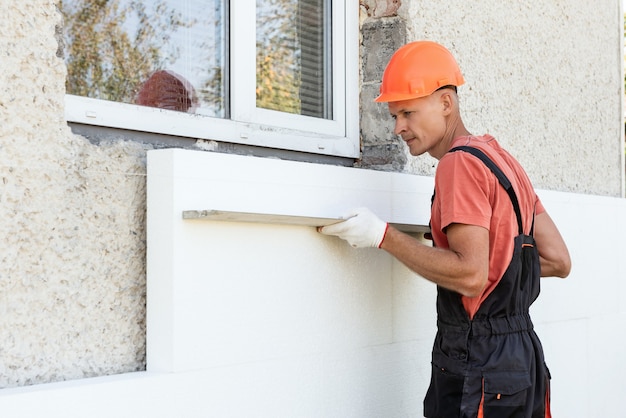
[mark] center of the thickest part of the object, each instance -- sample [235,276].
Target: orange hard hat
[417,69]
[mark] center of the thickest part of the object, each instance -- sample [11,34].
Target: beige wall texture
[72,270]
[543,78]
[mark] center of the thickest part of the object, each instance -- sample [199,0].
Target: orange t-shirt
[467,192]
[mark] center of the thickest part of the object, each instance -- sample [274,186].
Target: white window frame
[248,124]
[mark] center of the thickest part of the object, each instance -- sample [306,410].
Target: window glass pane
[163,53]
[292,57]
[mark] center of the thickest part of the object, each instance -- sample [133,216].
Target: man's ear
[447,101]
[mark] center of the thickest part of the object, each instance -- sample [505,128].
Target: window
[271,73]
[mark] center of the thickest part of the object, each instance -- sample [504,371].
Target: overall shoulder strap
[504,181]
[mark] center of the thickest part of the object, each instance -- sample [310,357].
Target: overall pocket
[505,394]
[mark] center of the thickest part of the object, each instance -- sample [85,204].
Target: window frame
[249,125]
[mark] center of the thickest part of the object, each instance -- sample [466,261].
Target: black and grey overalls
[491,366]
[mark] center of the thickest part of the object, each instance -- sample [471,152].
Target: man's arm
[553,254]
[463,267]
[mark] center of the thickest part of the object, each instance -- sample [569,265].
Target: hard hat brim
[397,97]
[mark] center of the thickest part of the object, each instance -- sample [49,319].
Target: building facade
[545,79]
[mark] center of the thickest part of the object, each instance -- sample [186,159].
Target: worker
[492,241]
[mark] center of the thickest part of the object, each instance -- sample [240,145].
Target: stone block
[380,39]
[385,157]
[375,122]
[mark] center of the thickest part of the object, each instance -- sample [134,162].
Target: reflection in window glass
[293,64]
[162,53]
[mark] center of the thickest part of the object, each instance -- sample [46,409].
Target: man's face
[420,122]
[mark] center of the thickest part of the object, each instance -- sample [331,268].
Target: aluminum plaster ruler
[273,218]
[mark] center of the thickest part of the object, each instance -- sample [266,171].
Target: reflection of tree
[104,60]
[277,77]
[214,90]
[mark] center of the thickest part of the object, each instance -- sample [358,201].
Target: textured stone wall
[72,270]
[382,32]
[382,150]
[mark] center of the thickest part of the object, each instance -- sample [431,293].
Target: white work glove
[361,229]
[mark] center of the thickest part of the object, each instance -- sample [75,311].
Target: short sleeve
[464,187]
[539,208]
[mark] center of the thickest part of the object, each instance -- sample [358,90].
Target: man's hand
[361,229]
